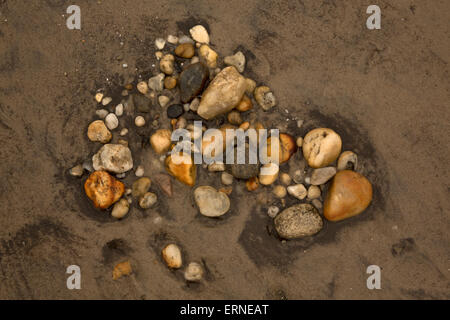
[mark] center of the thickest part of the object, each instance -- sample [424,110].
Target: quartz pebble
[160,43]
[123,132]
[298,191]
[199,34]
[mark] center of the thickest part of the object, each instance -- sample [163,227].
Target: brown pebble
[185,50]
[245,104]
[170,82]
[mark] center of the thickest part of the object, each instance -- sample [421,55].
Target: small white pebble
[124,132]
[160,43]
[106,100]
[139,171]
[139,121]
[172,39]
[119,110]
[125,65]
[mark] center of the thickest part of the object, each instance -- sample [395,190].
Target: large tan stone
[223,93]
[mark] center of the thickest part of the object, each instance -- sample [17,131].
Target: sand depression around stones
[195,85]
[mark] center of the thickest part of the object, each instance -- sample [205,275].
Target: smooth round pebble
[139,121]
[111,121]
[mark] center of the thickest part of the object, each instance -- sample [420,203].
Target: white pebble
[142,87]
[139,121]
[139,171]
[172,39]
[160,43]
[163,101]
[124,132]
[119,110]
[199,34]
[111,121]
[106,100]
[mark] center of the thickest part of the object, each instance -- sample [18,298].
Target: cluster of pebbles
[326,184]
